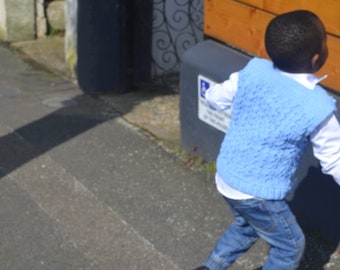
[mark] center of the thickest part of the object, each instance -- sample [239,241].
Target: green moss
[197,162]
[71,61]
[55,32]
[209,167]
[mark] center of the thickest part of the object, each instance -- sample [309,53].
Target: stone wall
[50,17]
[55,14]
[2,19]
[22,20]
[17,20]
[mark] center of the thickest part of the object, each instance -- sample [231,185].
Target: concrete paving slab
[90,225]
[30,239]
[45,50]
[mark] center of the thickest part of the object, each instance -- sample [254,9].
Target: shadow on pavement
[77,115]
[28,142]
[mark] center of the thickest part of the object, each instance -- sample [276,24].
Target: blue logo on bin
[204,86]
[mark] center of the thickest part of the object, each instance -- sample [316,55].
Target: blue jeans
[254,218]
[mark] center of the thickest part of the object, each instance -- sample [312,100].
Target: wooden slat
[332,66]
[237,24]
[327,10]
[243,27]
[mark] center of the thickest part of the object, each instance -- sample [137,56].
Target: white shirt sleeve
[326,146]
[220,96]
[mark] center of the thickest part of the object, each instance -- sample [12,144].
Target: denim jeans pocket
[256,212]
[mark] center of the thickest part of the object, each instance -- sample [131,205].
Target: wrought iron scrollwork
[177,26]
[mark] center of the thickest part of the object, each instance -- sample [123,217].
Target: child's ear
[315,62]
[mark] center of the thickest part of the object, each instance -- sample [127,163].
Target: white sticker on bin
[218,119]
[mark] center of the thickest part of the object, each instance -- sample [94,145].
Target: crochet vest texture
[272,118]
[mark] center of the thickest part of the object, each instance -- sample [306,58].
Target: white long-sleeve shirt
[325,139]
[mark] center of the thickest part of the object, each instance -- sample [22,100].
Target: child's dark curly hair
[293,38]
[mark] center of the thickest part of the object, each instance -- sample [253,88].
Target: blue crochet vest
[271,121]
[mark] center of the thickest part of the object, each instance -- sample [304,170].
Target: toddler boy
[277,109]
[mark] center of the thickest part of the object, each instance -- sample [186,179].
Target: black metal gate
[177,26]
[164,30]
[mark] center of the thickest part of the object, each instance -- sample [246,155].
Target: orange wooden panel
[236,24]
[332,66]
[243,27]
[327,10]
